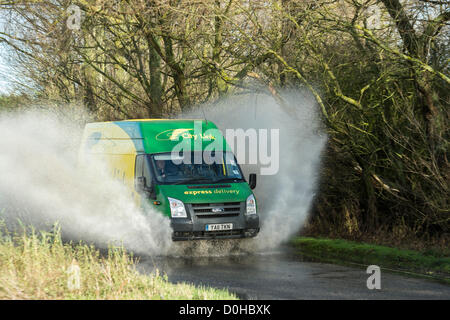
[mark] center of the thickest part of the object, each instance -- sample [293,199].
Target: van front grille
[215,210]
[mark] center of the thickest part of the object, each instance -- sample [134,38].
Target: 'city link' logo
[176,134]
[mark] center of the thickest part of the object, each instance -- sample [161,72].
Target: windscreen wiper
[228,180]
[194,180]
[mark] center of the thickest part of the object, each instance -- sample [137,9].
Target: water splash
[41,184]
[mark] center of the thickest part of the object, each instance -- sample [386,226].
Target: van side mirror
[140,184]
[141,187]
[252,180]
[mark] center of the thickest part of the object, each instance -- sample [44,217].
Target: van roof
[159,135]
[151,120]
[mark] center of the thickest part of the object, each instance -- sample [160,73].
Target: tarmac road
[283,275]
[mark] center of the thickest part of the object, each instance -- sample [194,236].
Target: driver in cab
[165,168]
[161,168]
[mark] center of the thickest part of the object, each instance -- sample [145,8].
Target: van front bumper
[194,226]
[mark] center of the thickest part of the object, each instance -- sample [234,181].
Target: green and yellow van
[183,168]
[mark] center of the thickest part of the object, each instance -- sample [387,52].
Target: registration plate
[219,227]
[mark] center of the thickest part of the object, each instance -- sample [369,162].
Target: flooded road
[281,274]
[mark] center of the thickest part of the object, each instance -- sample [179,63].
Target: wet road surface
[281,274]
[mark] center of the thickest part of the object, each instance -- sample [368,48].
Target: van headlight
[177,209]
[251,205]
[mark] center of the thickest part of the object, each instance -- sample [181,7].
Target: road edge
[345,252]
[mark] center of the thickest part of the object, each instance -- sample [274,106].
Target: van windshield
[195,167]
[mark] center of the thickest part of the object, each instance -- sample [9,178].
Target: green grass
[431,263]
[37,266]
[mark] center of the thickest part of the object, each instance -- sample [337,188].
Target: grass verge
[424,264]
[40,266]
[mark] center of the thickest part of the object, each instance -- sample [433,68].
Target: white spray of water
[41,184]
[284,199]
